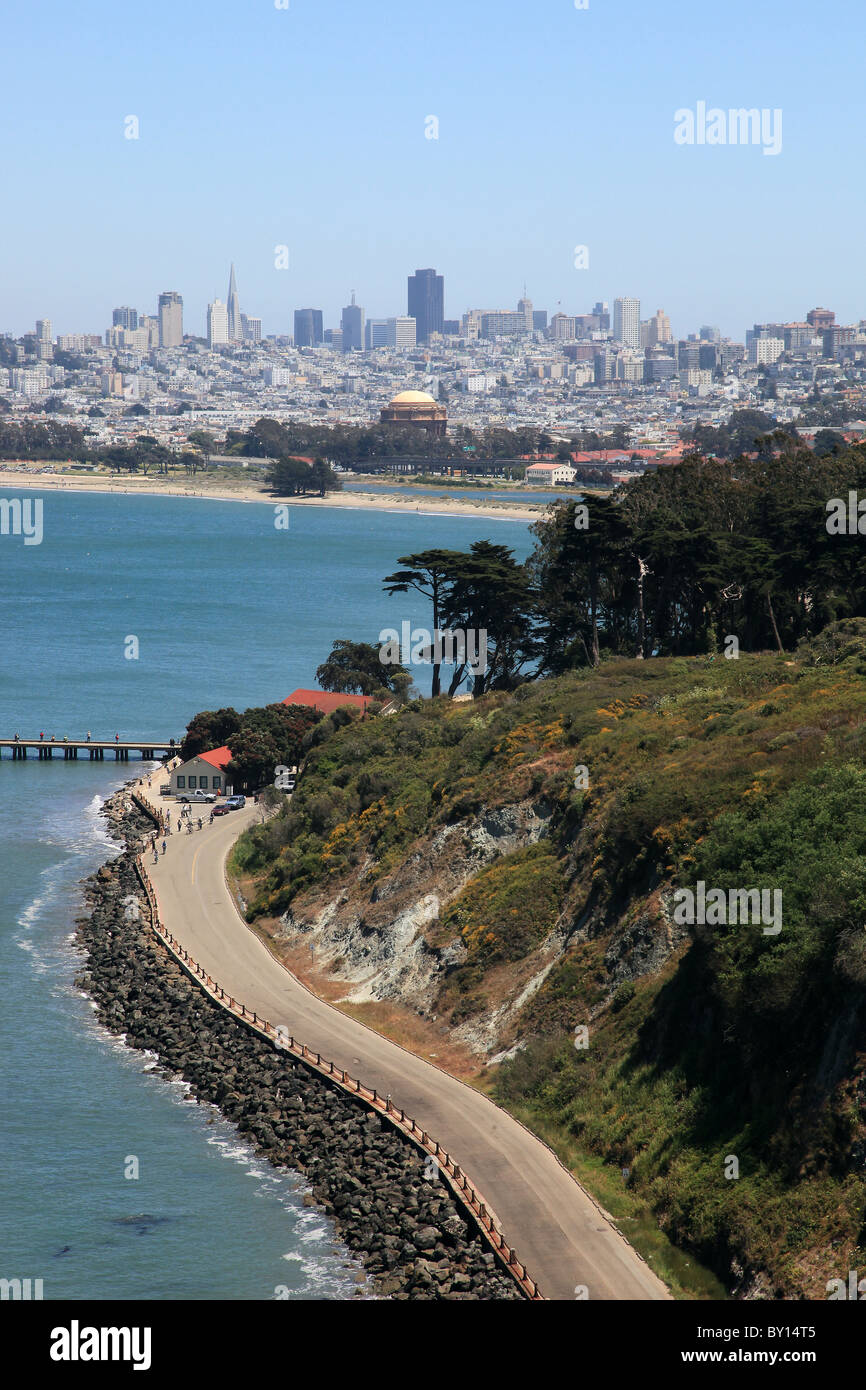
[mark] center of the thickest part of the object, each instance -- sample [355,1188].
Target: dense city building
[308,328]
[352,326]
[426,303]
[170,319]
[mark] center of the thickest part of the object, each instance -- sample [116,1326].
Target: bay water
[224,609]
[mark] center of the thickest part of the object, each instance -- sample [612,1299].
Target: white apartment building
[29,381]
[626,321]
[401,332]
[763,351]
[277,376]
[478,381]
[217,323]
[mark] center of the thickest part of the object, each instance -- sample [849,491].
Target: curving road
[556,1229]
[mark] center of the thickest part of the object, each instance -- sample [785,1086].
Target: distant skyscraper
[601,311]
[401,333]
[308,328]
[232,305]
[375,334]
[524,307]
[252,329]
[233,308]
[217,323]
[539,319]
[659,328]
[626,321]
[43,330]
[427,303]
[352,324]
[124,317]
[710,334]
[170,319]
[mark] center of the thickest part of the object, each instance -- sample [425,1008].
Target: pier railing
[462,1187]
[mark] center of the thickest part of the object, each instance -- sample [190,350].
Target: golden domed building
[415,408]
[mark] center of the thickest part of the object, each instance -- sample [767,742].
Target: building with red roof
[205,772]
[217,757]
[326,701]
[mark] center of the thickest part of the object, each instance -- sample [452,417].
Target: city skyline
[493,181]
[625,322]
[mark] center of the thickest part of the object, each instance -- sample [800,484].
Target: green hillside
[705,1043]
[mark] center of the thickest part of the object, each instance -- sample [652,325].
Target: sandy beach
[209,485]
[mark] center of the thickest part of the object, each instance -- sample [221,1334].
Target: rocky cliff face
[376,940]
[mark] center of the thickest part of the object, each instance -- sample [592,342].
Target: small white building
[205,773]
[550,474]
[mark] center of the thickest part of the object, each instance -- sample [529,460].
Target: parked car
[223,809]
[236,802]
[197,796]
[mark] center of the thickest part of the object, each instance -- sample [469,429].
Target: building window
[217,783]
[181,784]
[192,783]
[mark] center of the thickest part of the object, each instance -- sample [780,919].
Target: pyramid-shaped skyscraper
[233,305]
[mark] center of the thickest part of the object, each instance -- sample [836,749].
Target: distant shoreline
[358,501]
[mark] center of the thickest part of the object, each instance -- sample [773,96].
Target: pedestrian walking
[211,818]
[88,735]
[163,846]
[199,822]
[116,737]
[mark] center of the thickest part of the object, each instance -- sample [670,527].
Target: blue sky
[305,127]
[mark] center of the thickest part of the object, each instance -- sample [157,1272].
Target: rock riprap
[407,1228]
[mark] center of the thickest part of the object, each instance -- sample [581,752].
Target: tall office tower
[524,307]
[539,319]
[601,311]
[352,325]
[626,321]
[426,303]
[217,323]
[233,308]
[43,330]
[170,319]
[252,329]
[124,317]
[375,334]
[401,332]
[659,328]
[308,328]
[710,334]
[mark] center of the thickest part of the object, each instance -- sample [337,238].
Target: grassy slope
[726,1044]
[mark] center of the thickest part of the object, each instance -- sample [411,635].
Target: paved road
[544,1214]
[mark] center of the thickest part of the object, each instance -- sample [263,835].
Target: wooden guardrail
[462,1187]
